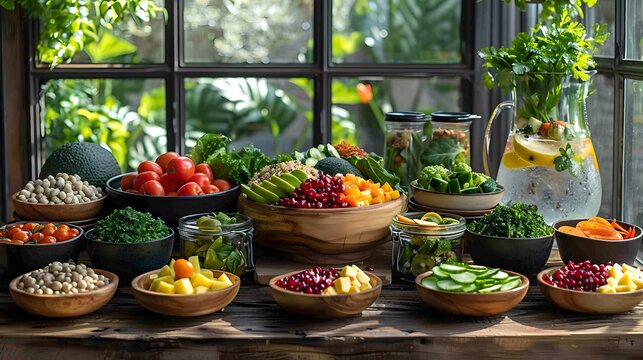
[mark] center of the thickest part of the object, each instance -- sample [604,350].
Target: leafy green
[129,226]
[209,145]
[223,256]
[238,166]
[371,167]
[443,151]
[516,221]
[567,161]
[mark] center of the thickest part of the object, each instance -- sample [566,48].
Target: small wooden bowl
[325,306]
[58,212]
[456,202]
[322,236]
[62,306]
[588,302]
[472,304]
[184,305]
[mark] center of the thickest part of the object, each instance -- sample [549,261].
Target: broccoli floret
[431,172]
[461,167]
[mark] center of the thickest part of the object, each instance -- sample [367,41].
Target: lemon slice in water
[541,152]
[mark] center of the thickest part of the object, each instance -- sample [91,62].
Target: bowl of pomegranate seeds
[592,288]
[326,292]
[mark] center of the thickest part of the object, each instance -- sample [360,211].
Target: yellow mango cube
[353,289]
[183,286]
[329,291]
[625,279]
[615,271]
[356,283]
[363,278]
[365,286]
[225,279]
[613,282]
[626,268]
[342,284]
[155,283]
[165,288]
[207,273]
[201,290]
[624,288]
[200,280]
[638,282]
[395,194]
[218,285]
[348,271]
[606,289]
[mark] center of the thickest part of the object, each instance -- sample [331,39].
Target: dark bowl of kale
[129,243]
[512,237]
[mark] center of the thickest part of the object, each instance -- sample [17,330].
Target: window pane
[600,109]
[274,115]
[603,12]
[633,182]
[634,30]
[358,113]
[248,31]
[126,115]
[400,31]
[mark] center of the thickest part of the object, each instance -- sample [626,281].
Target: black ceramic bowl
[19,259]
[128,260]
[524,256]
[576,248]
[172,208]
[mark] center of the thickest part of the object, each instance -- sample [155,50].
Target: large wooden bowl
[588,302]
[472,304]
[58,212]
[325,306]
[184,305]
[322,236]
[62,306]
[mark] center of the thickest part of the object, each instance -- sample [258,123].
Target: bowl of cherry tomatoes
[28,245]
[171,187]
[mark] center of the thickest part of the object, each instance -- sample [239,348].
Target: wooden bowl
[588,302]
[58,212]
[472,304]
[62,306]
[184,305]
[456,202]
[325,306]
[322,236]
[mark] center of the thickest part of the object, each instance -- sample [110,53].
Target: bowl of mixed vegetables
[459,188]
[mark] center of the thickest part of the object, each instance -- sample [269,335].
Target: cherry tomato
[189,189]
[63,226]
[74,232]
[35,237]
[201,179]
[144,177]
[210,189]
[149,166]
[169,185]
[62,234]
[48,240]
[12,231]
[21,236]
[164,159]
[183,268]
[222,184]
[48,230]
[180,169]
[28,226]
[153,188]
[204,168]
[127,181]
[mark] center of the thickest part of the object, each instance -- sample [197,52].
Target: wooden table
[397,326]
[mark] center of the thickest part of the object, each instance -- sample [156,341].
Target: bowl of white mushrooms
[63,197]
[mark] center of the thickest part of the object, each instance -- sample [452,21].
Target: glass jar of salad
[222,241]
[418,247]
[454,127]
[403,144]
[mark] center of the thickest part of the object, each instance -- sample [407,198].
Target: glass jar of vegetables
[424,240]
[222,241]
[453,127]
[403,144]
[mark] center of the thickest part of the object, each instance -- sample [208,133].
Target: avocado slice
[283,184]
[267,194]
[253,195]
[267,184]
[291,179]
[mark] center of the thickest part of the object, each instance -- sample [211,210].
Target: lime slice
[541,152]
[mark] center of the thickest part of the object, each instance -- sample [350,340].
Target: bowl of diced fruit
[182,288]
[592,288]
[326,293]
[471,290]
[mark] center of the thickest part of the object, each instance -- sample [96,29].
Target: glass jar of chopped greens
[452,130]
[424,240]
[222,241]
[403,144]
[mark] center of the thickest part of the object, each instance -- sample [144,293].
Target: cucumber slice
[454,186]
[512,278]
[477,269]
[449,285]
[511,285]
[490,273]
[315,154]
[469,288]
[490,289]
[464,277]
[439,184]
[430,282]
[331,151]
[311,161]
[500,275]
[439,273]
[452,268]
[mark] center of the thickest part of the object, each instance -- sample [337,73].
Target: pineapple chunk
[606,289]
[353,289]
[625,288]
[356,283]
[225,279]
[625,279]
[613,282]
[167,270]
[348,271]
[194,260]
[165,288]
[201,290]
[342,285]
[200,280]
[366,286]
[626,268]
[638,282]
[615,271]
[183,286]
[363,278]
[329,291]
[158,280]
[207,273]
[218,285]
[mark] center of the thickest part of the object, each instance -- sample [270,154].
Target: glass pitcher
[549,159]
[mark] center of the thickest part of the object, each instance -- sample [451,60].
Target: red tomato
[62,234]
[150,166]
[63,226]
[144,177]
[28,226]
[201,179]
[35,237]
[204,168]
[169,185]
[222,184]
[164,159]
[48,230]
[153,188]
[127,181]
[20,236]
[48,240]
[11,231]
[74,232]
[210,189]
[190,189]
[180,169]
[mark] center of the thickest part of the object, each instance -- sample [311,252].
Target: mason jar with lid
[219,246]
[453,125]
[417,249]
[403,144]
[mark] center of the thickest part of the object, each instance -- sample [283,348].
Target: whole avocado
[90,161]
[334,165]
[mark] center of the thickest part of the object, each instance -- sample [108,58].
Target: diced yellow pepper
[201,290]
[155,282]
[218,285]
[225,279]
[183,286]
[165,288]
[200,280]
[342,285]
[386,187]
